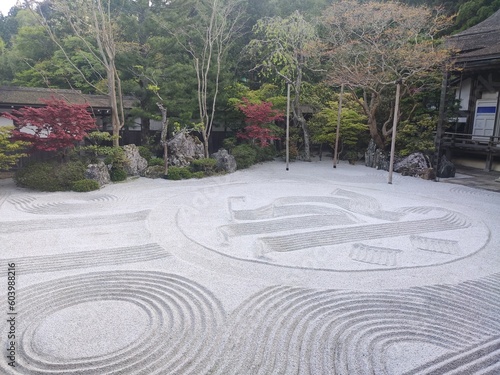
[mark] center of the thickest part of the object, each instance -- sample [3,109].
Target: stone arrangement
[313,270]
[183,148]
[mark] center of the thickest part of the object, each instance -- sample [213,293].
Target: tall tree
[206,32]
[373,45]
[92,22]
[10,151]
[472,12]
[283,47]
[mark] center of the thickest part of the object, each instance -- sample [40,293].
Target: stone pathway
[476,178]
[311,271]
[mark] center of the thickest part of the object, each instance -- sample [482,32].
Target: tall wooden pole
[394,126]
[287,125]
[339,117]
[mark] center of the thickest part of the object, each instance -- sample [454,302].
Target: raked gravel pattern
[313,270]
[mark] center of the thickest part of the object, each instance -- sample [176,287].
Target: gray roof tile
[26,96]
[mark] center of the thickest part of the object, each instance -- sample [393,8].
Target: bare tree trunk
[115,119]
[305,131]
[164,132]
[299,117]
[218,26]
[145,124]
[375,134]
[370,107]
[205,144]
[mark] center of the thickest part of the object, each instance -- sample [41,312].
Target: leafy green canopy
[10,151]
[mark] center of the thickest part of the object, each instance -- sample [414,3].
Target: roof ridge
[488,25]
[39,89]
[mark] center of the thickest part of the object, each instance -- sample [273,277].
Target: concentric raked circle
[308,331]
[175,322]
[120,324]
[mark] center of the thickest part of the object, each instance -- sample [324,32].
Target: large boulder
[183,149]
[135,164]
[428,174]
[446,168]
[225,161]
[98,172]
[416,165]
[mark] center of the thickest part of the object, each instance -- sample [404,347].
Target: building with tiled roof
[480,44]
[474,136]
[16,97]
[12,97]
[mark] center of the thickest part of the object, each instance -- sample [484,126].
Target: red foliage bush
[257,116]
[56,126]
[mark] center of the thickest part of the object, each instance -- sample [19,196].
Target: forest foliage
[203,56]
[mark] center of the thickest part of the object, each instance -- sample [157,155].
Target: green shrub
[197,175]
[37,176]
[91,153]
[145,152]
[98,144]
[10,151]
[265,153]
[185,173]
[174,173]
[205,165]
[417,136]
[153,162]
[178,173]
[245,156]
[116,158]
[229,143]
[85,185]
[45,176]
[68,173]
[117,174]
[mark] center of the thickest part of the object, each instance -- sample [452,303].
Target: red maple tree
[56,126]
[258,116]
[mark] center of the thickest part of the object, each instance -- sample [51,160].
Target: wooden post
[339,118]
[287,125]
[394,126]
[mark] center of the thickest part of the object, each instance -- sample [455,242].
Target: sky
[5,6]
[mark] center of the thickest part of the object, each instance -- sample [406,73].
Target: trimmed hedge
[85,185]
[206,165]
[245,156]
[153,162]
[265,153]
[178,173]
[50,176]
[145,152]
[70,172]
[198,175]
[117,174]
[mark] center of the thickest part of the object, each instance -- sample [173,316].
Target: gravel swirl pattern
[183,318]
[286,330]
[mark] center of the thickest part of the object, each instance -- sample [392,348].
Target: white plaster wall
[6,122]
[463,93]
